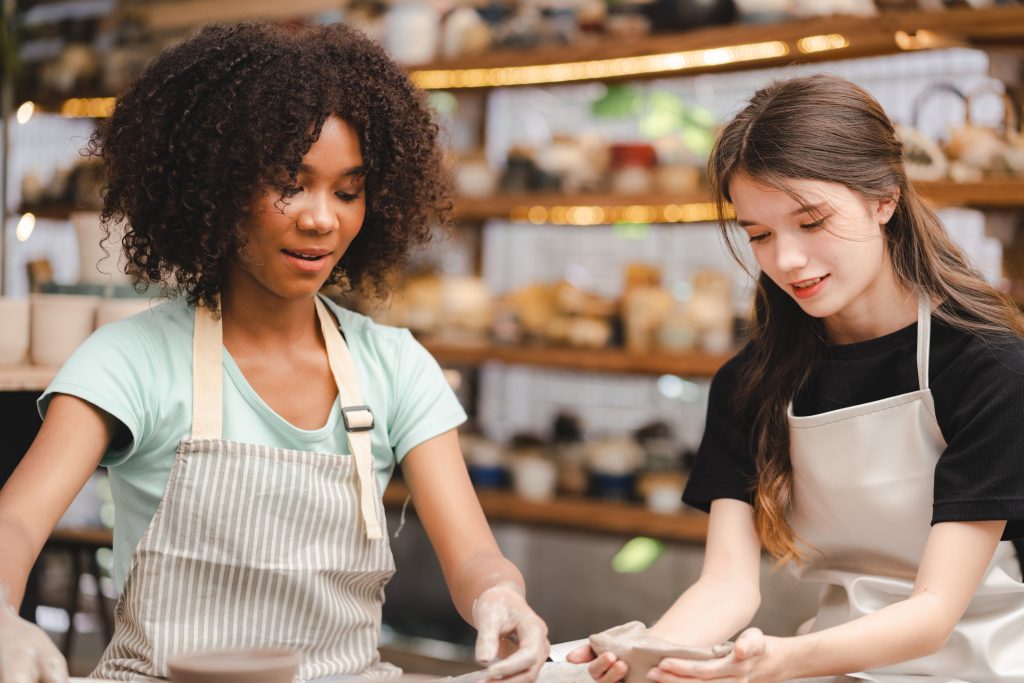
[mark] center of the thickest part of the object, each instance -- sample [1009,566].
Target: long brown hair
[826,128]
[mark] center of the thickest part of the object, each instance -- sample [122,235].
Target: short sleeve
[425,405]
[980,475]
[724,467]
[113,371]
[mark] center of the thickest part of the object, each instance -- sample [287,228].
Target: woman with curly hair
[249,424]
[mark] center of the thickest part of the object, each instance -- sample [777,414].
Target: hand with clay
[27,654]
[630,653]
[750,661]
[511,639]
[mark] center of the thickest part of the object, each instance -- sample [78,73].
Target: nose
[790,254]
[315,215]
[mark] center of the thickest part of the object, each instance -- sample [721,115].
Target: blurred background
[584,298]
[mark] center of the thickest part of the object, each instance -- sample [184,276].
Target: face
[829,255]
[293,244]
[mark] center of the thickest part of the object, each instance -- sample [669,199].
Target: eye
[759,237]
[290,190]
[347,196]
[813,226]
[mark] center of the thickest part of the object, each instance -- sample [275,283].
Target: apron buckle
[361,420]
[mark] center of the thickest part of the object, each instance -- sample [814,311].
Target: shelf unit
[608,517]
[693,364]
[738,46]
[611,517]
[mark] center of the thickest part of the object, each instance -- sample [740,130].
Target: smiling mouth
[805,284]
[306,257]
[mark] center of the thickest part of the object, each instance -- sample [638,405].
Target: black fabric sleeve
[980,475]
[724,467]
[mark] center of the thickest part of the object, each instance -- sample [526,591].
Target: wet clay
[642,652]
[235,666]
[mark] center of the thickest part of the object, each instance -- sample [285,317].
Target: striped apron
[863,480]
[253,546]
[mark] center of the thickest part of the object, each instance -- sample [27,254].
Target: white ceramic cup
[60,323]
[14,321]
[534,478]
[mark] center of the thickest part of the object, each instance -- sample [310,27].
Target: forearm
[475,574]
[20,552]
[905,630]
[711,611]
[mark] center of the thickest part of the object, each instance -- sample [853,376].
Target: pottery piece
[255,665]
[14,321]
[632,643]
[59,324]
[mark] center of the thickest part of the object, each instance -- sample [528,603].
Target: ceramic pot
[14,321]
[534,478]
[255,665]
[60,323]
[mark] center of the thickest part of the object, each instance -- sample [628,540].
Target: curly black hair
[234,108]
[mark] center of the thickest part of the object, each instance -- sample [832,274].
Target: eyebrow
[814,208]
[354,171]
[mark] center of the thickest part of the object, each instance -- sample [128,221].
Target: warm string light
[443,79]
[698,212]
[91,107]
[25,112]
[26,224]
[822,43]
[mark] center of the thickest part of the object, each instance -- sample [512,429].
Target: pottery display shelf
[25,377]
[690,363]
[605,209]
[609,517]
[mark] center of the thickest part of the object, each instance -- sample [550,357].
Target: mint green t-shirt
[140,371]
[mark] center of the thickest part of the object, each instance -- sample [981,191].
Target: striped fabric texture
[250,547]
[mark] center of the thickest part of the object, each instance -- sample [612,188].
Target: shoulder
[971,358]
[161,327]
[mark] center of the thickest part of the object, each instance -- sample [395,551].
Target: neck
[871,319]
[884,308]
[268,322]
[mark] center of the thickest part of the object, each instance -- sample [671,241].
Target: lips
[307,254]
[803,289]
[804,284]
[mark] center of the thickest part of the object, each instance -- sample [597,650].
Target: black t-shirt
[978,388]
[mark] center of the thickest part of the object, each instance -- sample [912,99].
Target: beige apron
[863,482]
[253,546]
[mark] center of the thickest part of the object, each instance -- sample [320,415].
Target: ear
[885,208]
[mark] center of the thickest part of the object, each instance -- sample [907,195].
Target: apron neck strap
[924,336]
[207,399]
[207,375]
[356,416]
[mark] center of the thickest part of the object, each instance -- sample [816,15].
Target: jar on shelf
[633,167]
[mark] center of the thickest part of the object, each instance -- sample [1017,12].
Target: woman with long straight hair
[871,433]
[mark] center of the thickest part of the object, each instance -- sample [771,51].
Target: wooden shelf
[25,377]
[600,360]
[810,40]
[628,519]
[989,194]
[1005,193]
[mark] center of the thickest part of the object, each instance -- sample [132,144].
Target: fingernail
[654,674]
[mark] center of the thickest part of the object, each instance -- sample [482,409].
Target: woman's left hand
[753,660]
[511,638]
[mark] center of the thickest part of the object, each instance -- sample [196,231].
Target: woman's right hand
[604,669]
[27,655]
